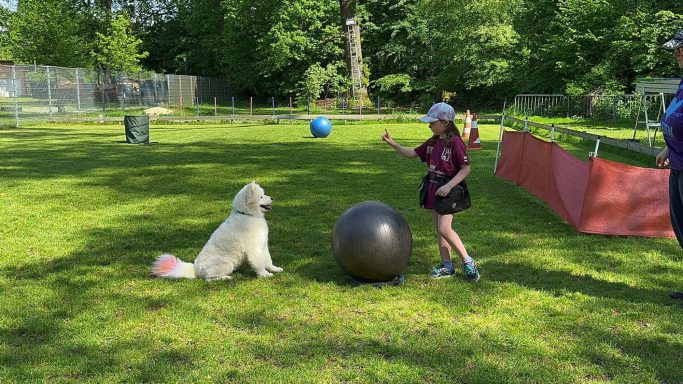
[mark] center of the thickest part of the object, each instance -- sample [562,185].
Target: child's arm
[460,176]
[405,152]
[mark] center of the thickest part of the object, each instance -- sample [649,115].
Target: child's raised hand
[386,137]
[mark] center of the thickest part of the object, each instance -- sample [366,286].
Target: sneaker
[439,272]
[470,271]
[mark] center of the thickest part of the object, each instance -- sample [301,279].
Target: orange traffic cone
[475,142]
[468,127]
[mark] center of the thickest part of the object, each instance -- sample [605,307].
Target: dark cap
[676,42]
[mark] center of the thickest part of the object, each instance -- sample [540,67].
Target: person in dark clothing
[672,155]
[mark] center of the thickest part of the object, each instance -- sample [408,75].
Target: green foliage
[269,45]
[49,32]
[118,50]
[482,50]
[318,81]
[394,87]
[5,39]
[603,47]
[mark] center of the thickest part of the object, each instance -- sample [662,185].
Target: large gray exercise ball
[372,241]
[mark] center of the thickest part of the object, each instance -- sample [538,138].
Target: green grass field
[84,215]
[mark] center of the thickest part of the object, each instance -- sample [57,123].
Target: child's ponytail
[451,131]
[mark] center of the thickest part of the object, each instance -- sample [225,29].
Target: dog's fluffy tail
[171,267]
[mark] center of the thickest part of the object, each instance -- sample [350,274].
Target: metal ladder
[353,38]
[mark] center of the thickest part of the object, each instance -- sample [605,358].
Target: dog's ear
[253,191]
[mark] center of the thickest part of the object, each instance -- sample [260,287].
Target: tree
[318,81]
[5,39]
[267,46]
[203,45]
[118,50]
[49,32]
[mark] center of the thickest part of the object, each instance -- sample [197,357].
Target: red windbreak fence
[596,196]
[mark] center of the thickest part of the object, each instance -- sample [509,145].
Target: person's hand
[663,158]
[386,137]
[443,190]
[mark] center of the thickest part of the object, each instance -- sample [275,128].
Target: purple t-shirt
[442,160]
[672,128]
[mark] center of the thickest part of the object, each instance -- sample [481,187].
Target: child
[446,160]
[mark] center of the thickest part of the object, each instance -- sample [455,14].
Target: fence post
[233,105]
[515,105]
[16,102]
[273,100]
[154,85]
[290,106]
[168,90]
[100,81]
[49,91]
[595,152]
[215,106]
[308,106]
[139,91]
[180,91]
[122,96]
[251,105]
[378,105]
[552,132]
[500,138]
[197,103]
[193,88]
[78,91]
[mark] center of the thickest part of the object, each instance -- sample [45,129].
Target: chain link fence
[34,93]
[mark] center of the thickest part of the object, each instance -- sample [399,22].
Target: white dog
[242,236]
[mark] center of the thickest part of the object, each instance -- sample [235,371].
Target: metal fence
[31,93]
[604,107]
[36,93]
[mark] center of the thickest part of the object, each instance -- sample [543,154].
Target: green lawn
[84,215]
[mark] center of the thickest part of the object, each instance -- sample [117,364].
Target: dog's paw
[275,269]
[264,274]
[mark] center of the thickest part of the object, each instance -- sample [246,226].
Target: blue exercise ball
[321,127]
[371,241]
